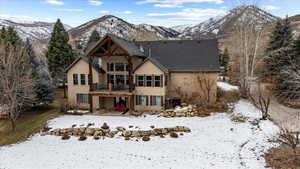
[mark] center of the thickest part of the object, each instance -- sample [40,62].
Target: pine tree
[12,37]
[3,33]
[59,53]
[279,52]
[41,78]
[224,59]
[296,50]
[95,37]
[281,36]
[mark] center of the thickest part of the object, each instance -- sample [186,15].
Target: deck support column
[90,79]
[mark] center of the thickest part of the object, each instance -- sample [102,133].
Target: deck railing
[108,87]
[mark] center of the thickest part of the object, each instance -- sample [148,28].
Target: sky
[156,12]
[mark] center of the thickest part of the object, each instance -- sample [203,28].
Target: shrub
[231,96]
[174,135]
[239,119]
[82,138]
[65,137]
[146,138]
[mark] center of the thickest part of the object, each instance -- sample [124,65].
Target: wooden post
[91,60]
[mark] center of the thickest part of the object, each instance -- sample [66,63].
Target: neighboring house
[150,75]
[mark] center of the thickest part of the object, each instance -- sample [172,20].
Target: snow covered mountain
[181,28]
[119,27]
[31,29]
[218,26]
[295,22]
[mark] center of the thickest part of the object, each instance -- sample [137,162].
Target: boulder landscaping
[104,131]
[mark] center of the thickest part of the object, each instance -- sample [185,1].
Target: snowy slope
[117,26]
[215,142]
[181,28]
[218,26]
[31,29]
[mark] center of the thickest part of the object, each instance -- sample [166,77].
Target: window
[75,79]
[120,79]
[140,80]
[157,81]
[111,67]
[149,81]
[82,99]
[82,79]
[142,100]
[156,100]
[120,67]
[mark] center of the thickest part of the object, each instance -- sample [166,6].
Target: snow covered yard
[215,142]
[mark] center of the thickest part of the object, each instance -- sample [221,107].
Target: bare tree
[261,99]
[16,85]
[290,139]
[206,86]
[246,43]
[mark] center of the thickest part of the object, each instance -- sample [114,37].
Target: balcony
[110,90]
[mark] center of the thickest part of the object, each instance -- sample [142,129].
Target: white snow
[214,143]
[226,86]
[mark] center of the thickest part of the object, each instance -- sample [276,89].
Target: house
[149,75]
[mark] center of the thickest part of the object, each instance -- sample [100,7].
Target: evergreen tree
[279,52]
[3,33]
[59,53]
[296,50]
[95,37]
[282,35]
[224,59]
[41,77]
[12,37]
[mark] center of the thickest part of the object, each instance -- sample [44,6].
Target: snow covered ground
[226,86]
[215,142]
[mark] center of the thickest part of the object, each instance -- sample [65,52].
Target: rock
[181,134]
[127,138]
[164,131]
[90,131]
[135,134]
[152,127]
[146,138]
[105,126]
[174,135]
[157,131]
[82,138]
[184,104]
[130,126]
[162,136]
[74,125]
[110,135]
[65,137]
[96,137]
[126,133]
[98,133]
[105,130]
[120,129]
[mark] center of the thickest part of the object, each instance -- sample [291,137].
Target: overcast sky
[156,12]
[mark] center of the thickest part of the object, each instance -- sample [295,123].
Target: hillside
[218,26]
[117,26]
[32,30]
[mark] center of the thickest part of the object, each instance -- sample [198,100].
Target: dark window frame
[75,79]
[82,79]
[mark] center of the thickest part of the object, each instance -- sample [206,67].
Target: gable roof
[183,55]
[155,62]
[95,65]
[130,47]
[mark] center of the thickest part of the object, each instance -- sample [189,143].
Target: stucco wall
[149,68]
[189,85]
[81,67]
